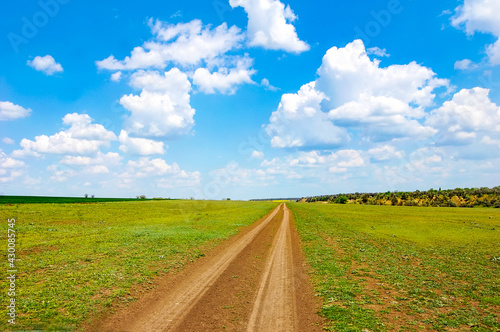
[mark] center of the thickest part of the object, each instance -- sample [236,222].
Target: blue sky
[248,98]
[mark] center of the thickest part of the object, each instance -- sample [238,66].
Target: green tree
[341,200]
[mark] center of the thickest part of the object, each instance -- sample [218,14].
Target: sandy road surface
[253,282]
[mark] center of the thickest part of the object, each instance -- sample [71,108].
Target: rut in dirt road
[254,282]
[275,308]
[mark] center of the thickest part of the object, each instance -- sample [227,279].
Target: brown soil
[255,281]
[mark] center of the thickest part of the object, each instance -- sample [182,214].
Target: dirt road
[275,308]
[255,281]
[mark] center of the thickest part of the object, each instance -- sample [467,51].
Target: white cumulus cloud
[10,111]
[348,73]
[377,51]
[163,108]
[108,159]
[61,174]
[385,153]
[81,127]
[116,77]
[270,25]
[470,115]
[225,80]
[316,164]
[311,158]
[10,169]
[73,166]
[267,85]
[98,169]
[183,44]
[140,146]
[299,121]
[8,140]
[234,175]
[152,167]
[355,97]
[257,154]
[465,64]
[166,175]
[60,143]
[11,163]
[348,159]
[480,16]
[493,52]
[489,141]
[46,64]
[82,138]
[383,118]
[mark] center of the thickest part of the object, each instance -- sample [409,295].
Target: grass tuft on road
[383,268]
[76,260]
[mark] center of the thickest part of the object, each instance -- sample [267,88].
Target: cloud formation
[167,176]
[82,138]
[299,121]
[385,153]
[81,127]
[348,73]
[100,159]
[182,44]
[225,80]
[469,117]
[465,64]
[257,154]
[480,16]
[10,111]
[8,140]
[163,107]
[355,98]
[45,64]
[10,168]
[140,146]
[116,77]
[267,85]
[270,25]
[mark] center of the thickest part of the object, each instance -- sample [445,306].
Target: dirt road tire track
[251,283]
[275,307]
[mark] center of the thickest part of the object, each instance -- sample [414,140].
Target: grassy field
[57,200]
[386,268]
[74,260]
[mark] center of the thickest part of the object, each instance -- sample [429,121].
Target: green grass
[385,268]
[57,200]
[75,260]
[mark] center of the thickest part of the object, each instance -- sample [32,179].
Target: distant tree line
[459,197]
[275,199]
